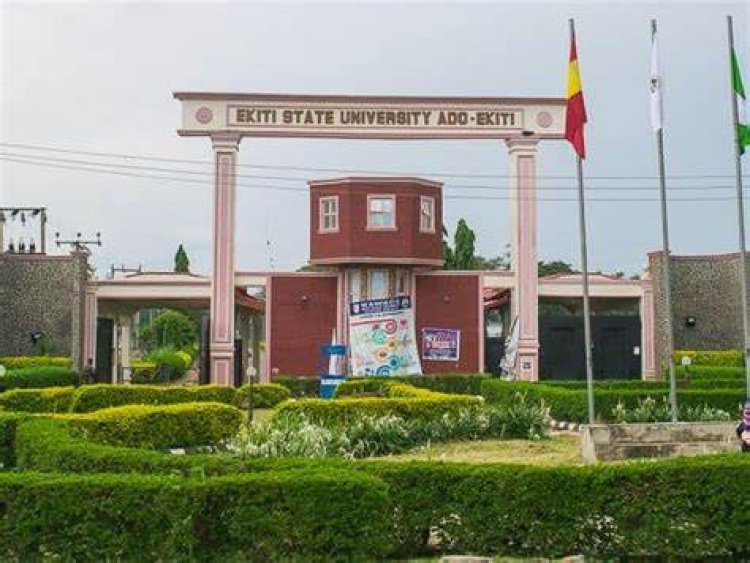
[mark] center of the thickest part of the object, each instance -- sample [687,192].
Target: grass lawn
[561,449]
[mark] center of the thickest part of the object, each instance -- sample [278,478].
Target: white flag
[655,86]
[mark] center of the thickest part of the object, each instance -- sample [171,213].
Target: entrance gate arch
[520,122]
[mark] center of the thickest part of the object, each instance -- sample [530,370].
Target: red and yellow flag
[575,114]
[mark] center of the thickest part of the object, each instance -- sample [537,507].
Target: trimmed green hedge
[265,395]
[680,508]
[164,426]
[407,402]
[572,404]
[268,516]
[299,386]
[20,362]
[8,424]
[733,358]
[94,397]
[39,377]
[694,373]
[49,400]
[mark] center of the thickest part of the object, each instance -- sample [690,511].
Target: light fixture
[690,321]
[304,299]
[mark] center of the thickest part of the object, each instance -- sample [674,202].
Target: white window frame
[431,227]
[370,199]
[322,214]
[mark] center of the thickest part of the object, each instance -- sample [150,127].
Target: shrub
[50,400]
[450,383]
[299,386]
[694,373]
[307,516]
[20,362]
[143,372]
[265,395]
[170,329]
[8,423]
[38,377]
[342,412]
[171,364]
[651,410]
[165,426]
[572,405]
[89,398]
[366,386]
[727,358]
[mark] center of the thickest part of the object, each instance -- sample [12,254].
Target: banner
[382,338]
[441,344]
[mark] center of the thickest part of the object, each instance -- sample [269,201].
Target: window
[427,214]
[329,214]
[378,284]
[381,212]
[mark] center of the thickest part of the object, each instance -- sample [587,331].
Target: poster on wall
[382,338]
[441,344]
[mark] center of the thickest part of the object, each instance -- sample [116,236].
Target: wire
[306,190]
[338,170]
[11,156]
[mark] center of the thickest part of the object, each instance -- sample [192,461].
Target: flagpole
[585,272]
[740,208]
[664,229]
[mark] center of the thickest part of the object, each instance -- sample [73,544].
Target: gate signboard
[441,344]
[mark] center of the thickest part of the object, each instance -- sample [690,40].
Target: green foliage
[651,410]
[36,377]
[727,358]
[451,383]
[680,508]
[143,371]
[181,261]
[163,426]
[168,364]
[170,329]
[463,257]
[306,516]
[694,373]
[265,395]
[572,404]
[49,400]
[8,423]
[299,386]
[18,362]
[89,398]
[553,267]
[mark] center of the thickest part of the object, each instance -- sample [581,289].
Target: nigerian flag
[743,127]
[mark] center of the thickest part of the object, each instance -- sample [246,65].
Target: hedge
[94,397]
[265,395]
[680,507]
[682,383]
[268,516]
[38,377]
[299,386]
[411,404]
[728,358]
[49,400]
[572,405]
[8,423]
[20,362]
[142,371]
[163,426]
[693,373]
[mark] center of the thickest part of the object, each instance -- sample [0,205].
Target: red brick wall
[354,240]
[299,328]
[460,311]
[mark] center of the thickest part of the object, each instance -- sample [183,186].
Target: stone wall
[704,287]
[42,293]
[608,442]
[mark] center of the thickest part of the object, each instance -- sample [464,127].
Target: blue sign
[375,306]
[441,344]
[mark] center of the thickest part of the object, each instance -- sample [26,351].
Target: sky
[98,77]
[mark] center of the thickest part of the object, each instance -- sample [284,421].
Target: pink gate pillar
[225,147]
[522,153]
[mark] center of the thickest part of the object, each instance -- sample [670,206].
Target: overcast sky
[99,77]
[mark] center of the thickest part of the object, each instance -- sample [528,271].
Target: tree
[554,267]
[463,248]
[447,251]
[170,328]
[181,261]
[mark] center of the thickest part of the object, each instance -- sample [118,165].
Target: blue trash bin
[329,381]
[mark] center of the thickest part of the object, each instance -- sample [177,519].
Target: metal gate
[105,331]
[616,342]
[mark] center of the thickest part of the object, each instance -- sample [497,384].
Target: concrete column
[225,147]
[126,329]
[648,334]
[90,309]
[522,153]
